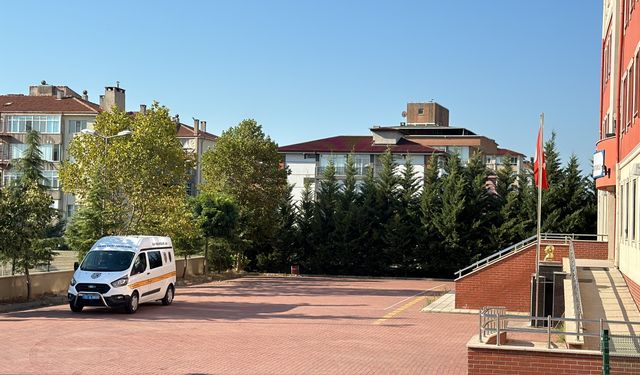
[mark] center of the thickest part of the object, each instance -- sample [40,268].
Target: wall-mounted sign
[599,169]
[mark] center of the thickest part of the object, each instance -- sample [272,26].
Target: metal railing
[575,287]
[564,237]
[494,322]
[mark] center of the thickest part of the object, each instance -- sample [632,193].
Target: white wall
[627,233]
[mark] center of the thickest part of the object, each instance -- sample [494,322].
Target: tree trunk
[184,272]
[26,272]
[206,251]
[13,266]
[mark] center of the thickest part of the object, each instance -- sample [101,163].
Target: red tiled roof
[347,143]
[46,104]
[505,151]
[186,131]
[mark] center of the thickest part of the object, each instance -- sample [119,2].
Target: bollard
[548,331]
[604,347]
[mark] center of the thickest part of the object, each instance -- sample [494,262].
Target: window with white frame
[50,152]
[633,209]
[51,180]
[76,126]
[44,124]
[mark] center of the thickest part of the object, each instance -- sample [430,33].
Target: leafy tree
[217,217]
[27,214]
[245,165]
[505,179]
[127,185]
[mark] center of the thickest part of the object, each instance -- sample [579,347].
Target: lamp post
[106,139]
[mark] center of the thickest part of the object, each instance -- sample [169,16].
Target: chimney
[113,96]
[58,94]
[196,126]
[85,95]
[204,126]
[143,109]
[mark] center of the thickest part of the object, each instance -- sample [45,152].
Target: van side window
[169,257]
[139,265]
[165,257]
[155,259]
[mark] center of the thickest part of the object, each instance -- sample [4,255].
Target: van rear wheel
[134,301]
[168,297]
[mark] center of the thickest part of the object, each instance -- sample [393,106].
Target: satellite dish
[404,113]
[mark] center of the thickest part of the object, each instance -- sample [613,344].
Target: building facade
[426,133]
[58,113]
[617,158]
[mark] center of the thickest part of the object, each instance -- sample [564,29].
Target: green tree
[430,208]
[304,225]
[245,165]
[27,215]
[324,222]
[284,252]
[127,185]
[505,179]
[217,217]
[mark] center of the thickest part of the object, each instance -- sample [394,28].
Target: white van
[124,271]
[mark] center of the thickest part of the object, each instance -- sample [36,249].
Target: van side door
[157,274]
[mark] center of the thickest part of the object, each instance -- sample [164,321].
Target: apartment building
[617,157]
[425,133]
[195,140]
[58,113]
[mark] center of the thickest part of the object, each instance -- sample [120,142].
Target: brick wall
[634,289]
[521,362]
[507,282]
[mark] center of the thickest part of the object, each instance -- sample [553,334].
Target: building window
[71,209]
[76,126]
[50,152]
[362,163]
[626,211]
[629,95]
[420,111]
[42,124]
[51,180]
[633,211]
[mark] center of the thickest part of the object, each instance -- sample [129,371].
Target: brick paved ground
[255,325]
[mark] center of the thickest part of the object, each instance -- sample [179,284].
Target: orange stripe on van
[152,280]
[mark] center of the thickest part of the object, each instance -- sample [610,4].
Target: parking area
[253,325]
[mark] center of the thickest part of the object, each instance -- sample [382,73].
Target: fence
[575,287]
[494,321]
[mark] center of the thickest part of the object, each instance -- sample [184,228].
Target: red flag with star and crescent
[540,161]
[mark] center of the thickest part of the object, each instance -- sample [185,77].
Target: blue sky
[313,69]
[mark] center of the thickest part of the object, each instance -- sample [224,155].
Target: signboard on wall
[599,169]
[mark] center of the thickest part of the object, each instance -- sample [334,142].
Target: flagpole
[539,151]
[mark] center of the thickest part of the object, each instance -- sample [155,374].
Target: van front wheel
[134,301]
[75,308]
[168,297]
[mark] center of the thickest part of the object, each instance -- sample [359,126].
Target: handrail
[492,314]
[575,287]
[565,237]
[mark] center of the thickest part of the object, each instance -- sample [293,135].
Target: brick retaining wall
[634,289]
[530,362]
[507,281]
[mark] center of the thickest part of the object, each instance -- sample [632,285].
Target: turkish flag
[538,161]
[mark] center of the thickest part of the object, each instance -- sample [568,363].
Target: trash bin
[295,270]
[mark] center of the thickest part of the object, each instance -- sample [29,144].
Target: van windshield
[107,261]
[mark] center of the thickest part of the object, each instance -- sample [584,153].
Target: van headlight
[73,281]
[120,282]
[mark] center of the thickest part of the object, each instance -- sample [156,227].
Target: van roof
[131,243]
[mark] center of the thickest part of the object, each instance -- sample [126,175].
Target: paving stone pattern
[258,325]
